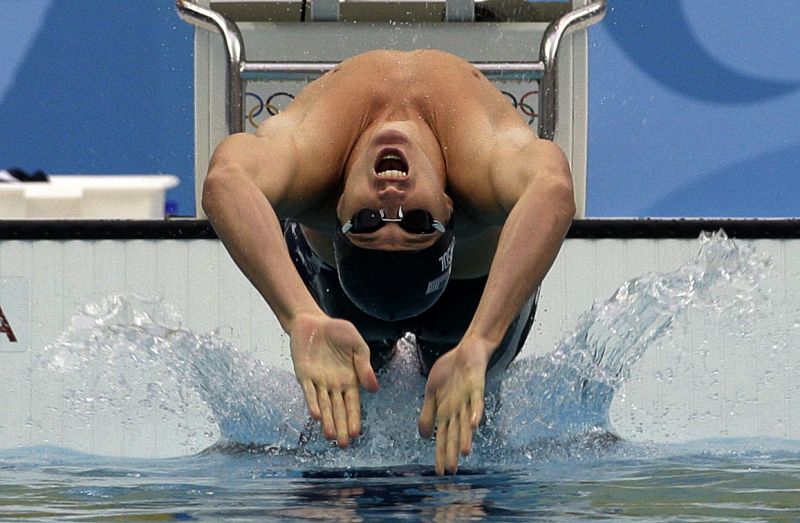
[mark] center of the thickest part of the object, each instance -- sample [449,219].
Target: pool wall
[49,270]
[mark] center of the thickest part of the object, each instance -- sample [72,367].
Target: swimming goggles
[417,221]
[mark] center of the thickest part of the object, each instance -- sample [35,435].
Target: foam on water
[132,355]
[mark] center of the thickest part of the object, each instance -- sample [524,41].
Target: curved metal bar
[521,71]
[555,32]
[238,70]
[234,55]
[265,71]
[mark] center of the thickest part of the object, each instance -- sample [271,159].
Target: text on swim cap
[437,284]
[446,259]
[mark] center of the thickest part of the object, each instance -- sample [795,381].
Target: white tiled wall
[697,384]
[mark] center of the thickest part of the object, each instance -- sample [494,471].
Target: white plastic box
[126,197]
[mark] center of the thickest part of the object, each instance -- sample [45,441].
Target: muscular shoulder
[475,124]
[428,69]
[438,63]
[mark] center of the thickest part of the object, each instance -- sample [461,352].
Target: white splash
[131,354]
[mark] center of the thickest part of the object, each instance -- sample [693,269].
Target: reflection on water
[677,484]
[547,448]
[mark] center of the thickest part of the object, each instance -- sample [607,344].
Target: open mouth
[391,164]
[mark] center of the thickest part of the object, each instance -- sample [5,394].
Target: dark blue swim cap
[394,285]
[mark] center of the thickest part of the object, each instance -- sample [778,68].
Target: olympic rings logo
[524,107]
[272,106]
[276,101]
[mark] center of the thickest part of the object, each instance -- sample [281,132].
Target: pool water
[546,450]
[634,483]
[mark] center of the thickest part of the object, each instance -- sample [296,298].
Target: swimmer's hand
[331,360]
[454,402]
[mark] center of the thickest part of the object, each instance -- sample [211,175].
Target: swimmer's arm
[245,175]
[249,179]
[534,202]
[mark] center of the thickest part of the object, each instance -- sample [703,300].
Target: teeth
[392,173]
[389,163]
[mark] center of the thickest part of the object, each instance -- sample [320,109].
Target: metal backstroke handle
[238,69]
[234,56]
[579,18]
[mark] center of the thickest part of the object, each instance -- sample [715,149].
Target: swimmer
[398,192]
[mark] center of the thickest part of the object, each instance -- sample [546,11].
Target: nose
[391,197]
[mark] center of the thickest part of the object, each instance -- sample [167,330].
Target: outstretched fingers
[427,417]
[448,439]
[338,412]
[340,419]
[330,363]
[453,432]
[476,411]
[470,419]
[465,445]
[310,393]
[440,455]
[453,441]
[326,408]
[364,372]
[352,405]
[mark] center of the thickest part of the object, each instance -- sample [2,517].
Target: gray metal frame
[239,70]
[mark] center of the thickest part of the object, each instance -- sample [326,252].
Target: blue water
[635,484]
[547,450]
